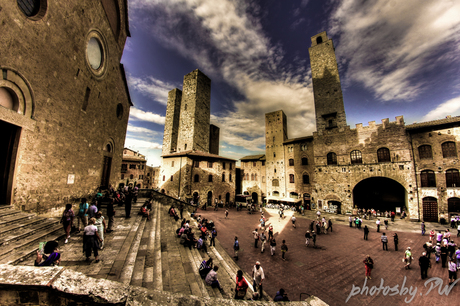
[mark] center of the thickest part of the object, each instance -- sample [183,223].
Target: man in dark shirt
[424,263]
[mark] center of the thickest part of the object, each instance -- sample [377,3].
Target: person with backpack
[284,249]
[83,213]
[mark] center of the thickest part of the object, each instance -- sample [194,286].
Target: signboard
[398,210]
[71,179]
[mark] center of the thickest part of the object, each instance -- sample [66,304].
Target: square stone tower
[276,134]
[214,132]
[172,121]
[195,113]
[329,108]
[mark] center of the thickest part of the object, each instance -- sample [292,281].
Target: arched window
[132,177]
[383,155]
[210,178]
[319,40]
[276,193]
[356,157]
[331,158]
[252,176]
[291,178]
[230,177]
[274,154]
[255,177]
[306,179]
[428,178]
[303,147]
[449,149]
[196,178]
[452,178]
[275,183]
[291,162]
[304,161]
[424,152]
[223,177]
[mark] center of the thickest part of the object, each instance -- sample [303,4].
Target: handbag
[241,293]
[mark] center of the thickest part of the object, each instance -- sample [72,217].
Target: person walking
[452,270]
[272,246]
[213,237]
[101,227]
[366,232]
[236,248]
[263,239]
[255,234]
[437,252]
[368,265]
[226,213]
[83,214]
[408,258]
[128,203]
[110,215]
[384,240]
[443,254]
[284,249]
[258,277]
[307,238]
[396,240]
[313,234]
[293,221]
[91,240]
[378,225]
[92,210]
[422,227]
[270,232]
[424,263]
[67,221]
[350,220]
[329,225]
[386,224]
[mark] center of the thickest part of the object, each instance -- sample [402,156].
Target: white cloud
[151,87]
[137,114]
[450,107]
[386,44]
[142,130]
[151,150]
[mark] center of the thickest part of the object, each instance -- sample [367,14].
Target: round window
[120,111]
[94,51]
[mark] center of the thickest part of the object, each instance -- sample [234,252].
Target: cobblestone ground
[335,267]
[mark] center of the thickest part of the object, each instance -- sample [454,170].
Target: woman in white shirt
[91,240]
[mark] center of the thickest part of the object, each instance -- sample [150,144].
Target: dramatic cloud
[137,114]
[226,40]
[387,45]
[141,130]
[151,150]
[151,87]
[450,107]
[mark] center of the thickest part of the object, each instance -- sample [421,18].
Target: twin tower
[187,123]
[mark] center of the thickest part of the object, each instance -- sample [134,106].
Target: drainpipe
[415,173]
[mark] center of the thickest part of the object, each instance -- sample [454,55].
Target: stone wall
[214,137]
[77,115]
[172,121]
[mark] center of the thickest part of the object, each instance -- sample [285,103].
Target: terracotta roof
[198,154]
[133,158]
[433,123]
[254,157]
[300,139]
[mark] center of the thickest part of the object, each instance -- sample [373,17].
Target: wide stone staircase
[138,252]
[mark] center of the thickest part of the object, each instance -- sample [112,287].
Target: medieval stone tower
[330,111]
[172,121]
[195,113]
[276,134]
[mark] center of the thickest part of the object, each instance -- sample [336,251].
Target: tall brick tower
[276,134]
[329,108]
[195,113]
[172,121]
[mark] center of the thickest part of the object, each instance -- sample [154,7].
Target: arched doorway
[162,191]
[335,207]
[306,201]
[227,197]
[209,198]
[430,209]
[379,193]
[255,198]
[8,149]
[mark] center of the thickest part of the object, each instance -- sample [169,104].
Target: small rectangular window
[223,165]
[210,164]
[132,166]
[172,176]
[172,164]
[196,163]
[254,164]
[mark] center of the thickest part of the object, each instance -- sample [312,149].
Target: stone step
[14,218]
[5,230]
[20,250]
[31,228]
[8,212]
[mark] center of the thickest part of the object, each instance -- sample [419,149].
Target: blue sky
[395,58]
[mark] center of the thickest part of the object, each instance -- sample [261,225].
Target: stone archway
[209,201]
[379,193]
[255,198]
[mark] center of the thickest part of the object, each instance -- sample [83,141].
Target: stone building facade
[385,166]
[191,167]
[151,177]
[64,100]
[133,169]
